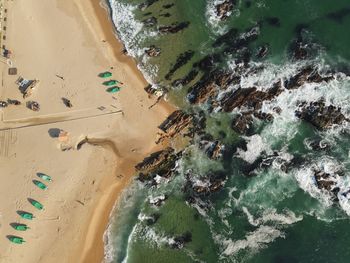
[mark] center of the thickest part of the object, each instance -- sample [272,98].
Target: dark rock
[273,21]
[152,219]
[319,115]
[213,149]
[167,6]
[180,241]
[3,104]
[161,163]
[185,80]
[175,123]
[158,200]
[262,51]
[307,74]
[147,4]
[209,86]
[243,124]
[173,28]
[153,51]
[224,9]
[165,15]
[339,15]
[149,22]
[181,60]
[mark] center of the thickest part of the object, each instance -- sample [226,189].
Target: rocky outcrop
[149,22]
[250,98]
[243,123]
[160,163]
[180,241]
[177,122]
[209,86]
[147,4]
[153,51]
[173,28]
[224,9]
[200,187]
[327,182]
[319,115]
[214,149]
[307,74]
[181,60]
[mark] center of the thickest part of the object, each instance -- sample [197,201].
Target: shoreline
[93,249]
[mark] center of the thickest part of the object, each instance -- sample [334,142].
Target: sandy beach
[65,45]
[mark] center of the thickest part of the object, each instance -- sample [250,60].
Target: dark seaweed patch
[181,60]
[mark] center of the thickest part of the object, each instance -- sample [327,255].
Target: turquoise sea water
[274,216]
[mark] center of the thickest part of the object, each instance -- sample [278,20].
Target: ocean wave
[253,242]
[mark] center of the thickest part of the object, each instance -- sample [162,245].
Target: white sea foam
[255,146]
[253,241]
[270,215]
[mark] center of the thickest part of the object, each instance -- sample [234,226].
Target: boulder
[319,115]
[224,9]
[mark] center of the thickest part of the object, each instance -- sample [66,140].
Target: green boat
[40,184]
[44,177]
[110,82]
[106,74]
[113,89]
[26,215]
[36,204]
[16,240]
[20,227]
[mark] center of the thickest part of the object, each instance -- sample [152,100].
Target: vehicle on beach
[67,102]
[3,104]
[13,102]
[33,105]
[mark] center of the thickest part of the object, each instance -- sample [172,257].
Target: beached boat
[16,240]
[36,204]
[20,227]
[44,177]
[26,215]
[106,74]
[40,184]
[113,89]
[110,82]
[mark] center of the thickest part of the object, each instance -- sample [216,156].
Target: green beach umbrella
[26,215]
[20,227]
[110,82]
[40,184]
[113,89]
[44,177]
[36,204]
[16,240]
[106,74]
